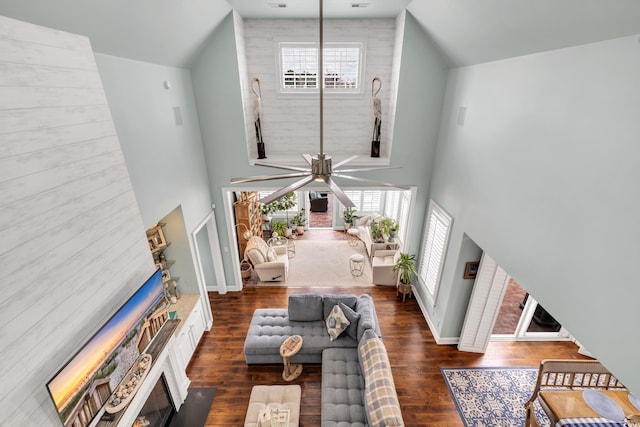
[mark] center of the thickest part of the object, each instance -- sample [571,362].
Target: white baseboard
[436,336]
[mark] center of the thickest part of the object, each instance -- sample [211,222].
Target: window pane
[434,247]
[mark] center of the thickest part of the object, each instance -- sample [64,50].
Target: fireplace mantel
[166,360]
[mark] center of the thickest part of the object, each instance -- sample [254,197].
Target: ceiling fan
[320,168]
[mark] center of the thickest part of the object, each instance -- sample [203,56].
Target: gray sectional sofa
[357,384]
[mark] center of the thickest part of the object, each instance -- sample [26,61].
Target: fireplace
[158,409]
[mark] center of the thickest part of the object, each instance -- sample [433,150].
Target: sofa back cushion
[380,398]
[305,307]
[332,300]
[368,318]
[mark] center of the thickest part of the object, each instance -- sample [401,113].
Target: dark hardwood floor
[415,358]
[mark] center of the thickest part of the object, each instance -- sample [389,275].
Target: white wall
[72,242]
[290,123]
[544,177]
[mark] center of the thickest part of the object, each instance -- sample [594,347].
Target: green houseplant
[279,227]
[283,204]
[349,216]
[299,220]
[405,266]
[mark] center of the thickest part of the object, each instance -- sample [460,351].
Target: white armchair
[271,264]
[382,267]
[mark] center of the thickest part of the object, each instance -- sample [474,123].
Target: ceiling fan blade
[371,181]
[284,190]
[287,167]
[337,191]
[373,168]
[307,158]
[337,165]
[268,177]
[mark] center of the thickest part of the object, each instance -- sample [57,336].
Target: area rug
[492,397]
[324,263]
[195,409]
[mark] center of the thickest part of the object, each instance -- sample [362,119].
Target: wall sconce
[247,233]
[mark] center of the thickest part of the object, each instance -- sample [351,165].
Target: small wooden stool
[356,263]
[290,347]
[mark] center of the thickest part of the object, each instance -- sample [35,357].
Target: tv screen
[86,381]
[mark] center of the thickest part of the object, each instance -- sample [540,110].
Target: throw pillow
[337,323]
[305,307]
[353,318]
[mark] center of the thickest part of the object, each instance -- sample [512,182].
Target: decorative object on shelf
[319,167]
[129,385]
[405,266]
[471,270]
[171,292]
[257,107]
[299,220]
[377,113]
[156,238]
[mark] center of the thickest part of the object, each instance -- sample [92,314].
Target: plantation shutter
[371,201]
[488,291]
[434,248]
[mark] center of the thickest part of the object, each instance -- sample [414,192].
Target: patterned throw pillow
[337,323]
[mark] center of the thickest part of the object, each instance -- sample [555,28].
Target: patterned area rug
[492,397]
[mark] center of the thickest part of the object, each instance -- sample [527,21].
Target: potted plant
[389,227]
[405,266]
[377,233]
[279,227]
[267,210]
[299,220]
[349,216]
[283,204]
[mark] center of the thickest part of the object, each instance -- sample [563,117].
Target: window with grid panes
[299,66]
[434,247]
[366,201]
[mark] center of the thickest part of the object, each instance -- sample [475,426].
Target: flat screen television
[83,385]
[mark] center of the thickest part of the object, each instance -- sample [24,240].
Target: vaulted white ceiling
[468,32]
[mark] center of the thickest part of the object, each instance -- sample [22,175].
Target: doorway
[321,214]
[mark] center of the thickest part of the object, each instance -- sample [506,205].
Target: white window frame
[434,249]
[358,197]
[314,90]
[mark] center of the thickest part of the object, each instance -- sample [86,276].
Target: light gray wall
[218,98]
[165,160]
[543,176]
[179,251]
[72,242]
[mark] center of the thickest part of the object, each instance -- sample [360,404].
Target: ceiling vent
[359,5]
[277,5]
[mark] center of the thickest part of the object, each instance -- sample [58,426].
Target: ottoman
[283,396]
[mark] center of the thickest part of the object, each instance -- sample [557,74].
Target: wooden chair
[569,375]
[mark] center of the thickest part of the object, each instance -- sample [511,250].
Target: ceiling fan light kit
[320,168]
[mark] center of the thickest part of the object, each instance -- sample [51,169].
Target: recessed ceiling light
[277,5]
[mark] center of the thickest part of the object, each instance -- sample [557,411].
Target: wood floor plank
[415,358]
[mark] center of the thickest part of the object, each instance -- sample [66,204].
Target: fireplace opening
[158,409]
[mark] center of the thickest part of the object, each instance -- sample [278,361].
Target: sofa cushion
[331,300]
[381,401]
[337,323]
[271,255]
[368,319]
[353,317]
[305,307]
[342,386]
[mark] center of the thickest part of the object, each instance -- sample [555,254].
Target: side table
[289,348]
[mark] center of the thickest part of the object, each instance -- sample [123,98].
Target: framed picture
[156,238]
[471,269]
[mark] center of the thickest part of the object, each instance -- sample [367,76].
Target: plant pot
[245,269]
[300,230]
[288,233]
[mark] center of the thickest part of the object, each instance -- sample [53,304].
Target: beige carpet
[324,263]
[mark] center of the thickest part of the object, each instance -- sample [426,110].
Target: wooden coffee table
[289,348]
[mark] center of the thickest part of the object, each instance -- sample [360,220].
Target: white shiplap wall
[290,124]
[72,243]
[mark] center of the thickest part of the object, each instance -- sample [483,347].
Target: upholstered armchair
[271,264]
[382,267]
